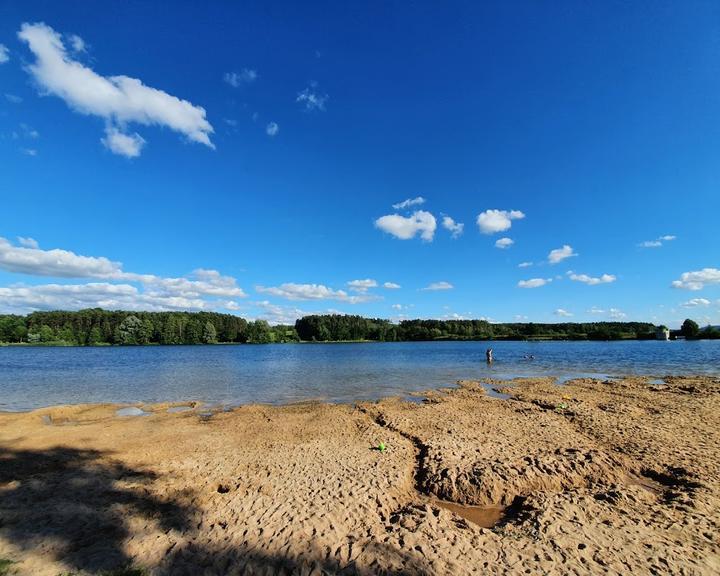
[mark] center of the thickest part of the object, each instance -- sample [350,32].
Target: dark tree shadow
[77,505]
[233,561]
[80,507]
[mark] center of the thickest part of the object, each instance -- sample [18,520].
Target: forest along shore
[97,327]
[592,476]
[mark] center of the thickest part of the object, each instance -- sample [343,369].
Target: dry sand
[587,478]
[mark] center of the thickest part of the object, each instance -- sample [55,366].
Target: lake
[32,377]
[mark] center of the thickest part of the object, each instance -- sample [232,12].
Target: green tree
[47,334]
[209,333]
[689,328]
[259,332]
[130,331]
[95,337]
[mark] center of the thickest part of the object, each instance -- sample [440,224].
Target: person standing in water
[489,355]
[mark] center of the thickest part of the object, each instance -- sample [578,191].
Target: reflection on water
[284,373]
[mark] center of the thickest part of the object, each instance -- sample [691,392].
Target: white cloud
[613,313]
[58,263]
[119,100]
[311,98]
[438,286]
[34,261]
[616,314]
[292,291]
[409,202]
[398,307]
[4,54]
[534,282]
[406,228]
[696,302]
[698,279]
[503,243]
[237,79]
[563,313]
[520,317]
[362,285]
[29,151]
[560,254]
[29,132]
[391,286]
[26,242]
[128,145]
[24,299]
[201,282]
[456,228]
[277,314]
[77,43]
[525,264]
[272,129]
[657,242]
[13,98]
[592,281]
[492,221]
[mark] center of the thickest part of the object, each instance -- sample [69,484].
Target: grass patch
[5,566]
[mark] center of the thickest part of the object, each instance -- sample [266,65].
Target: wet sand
[589,477]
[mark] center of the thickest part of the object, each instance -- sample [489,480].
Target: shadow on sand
[76,505]
[389,561]
[79,507]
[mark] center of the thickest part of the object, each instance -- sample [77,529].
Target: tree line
[96,327]
[342,328]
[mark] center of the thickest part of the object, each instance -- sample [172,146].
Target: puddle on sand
[492,391]
[483,516]
[131,411]
[178,409]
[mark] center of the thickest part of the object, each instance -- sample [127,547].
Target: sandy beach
[589,477]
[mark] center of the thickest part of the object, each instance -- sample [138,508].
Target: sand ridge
[594,477]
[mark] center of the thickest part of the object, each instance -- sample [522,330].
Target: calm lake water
[31,377]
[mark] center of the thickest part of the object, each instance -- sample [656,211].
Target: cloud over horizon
[202,285]
[294,291]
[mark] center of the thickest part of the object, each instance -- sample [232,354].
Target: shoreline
[154,407]
[585,476]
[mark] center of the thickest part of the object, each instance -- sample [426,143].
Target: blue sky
[247,159]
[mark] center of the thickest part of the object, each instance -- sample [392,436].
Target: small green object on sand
[381,446]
